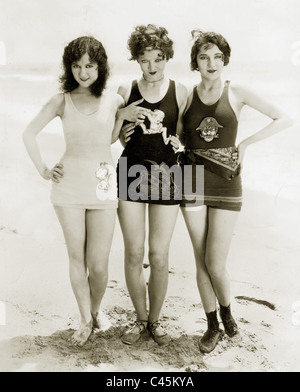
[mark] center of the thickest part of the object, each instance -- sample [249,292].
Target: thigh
[196,223]
[162,221]
[72,221]
[100,226]
[132,218]
[221,225]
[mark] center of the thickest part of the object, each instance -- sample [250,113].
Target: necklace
[154,81]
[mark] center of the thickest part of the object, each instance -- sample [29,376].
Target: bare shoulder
[259,100]
[115,98]
[57,99]
[124,90]
[190,94]
[182,93]
[120,100]
[56,104]
[241,91]
[181,88]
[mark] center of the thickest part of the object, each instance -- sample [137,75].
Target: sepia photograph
[150,188]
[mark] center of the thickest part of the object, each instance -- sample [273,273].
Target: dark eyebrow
[205,54]
[90,63]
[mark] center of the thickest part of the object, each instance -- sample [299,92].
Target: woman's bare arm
[53,108]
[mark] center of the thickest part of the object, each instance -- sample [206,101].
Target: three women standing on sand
[85,199]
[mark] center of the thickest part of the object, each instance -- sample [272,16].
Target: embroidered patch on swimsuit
[106,187]
[209,129]
[156,182]
[154,125]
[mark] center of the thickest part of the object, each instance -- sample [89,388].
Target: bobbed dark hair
[206,39]
[150,36]
[73,52]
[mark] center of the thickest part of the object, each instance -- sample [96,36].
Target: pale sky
[35,31]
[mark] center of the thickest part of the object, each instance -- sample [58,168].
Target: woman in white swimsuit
[84,190]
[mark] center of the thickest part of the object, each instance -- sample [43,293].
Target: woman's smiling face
[85,72]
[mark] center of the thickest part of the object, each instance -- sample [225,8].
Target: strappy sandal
[158,333]
[133,334]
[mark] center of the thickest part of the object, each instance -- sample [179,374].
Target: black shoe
[228,321]
[230,326]
[209,340]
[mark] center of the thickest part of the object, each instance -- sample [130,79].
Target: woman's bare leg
[162,221]
[132,221]
[73,224]
[219,237]
[211,233]
[196,222]
[100,229]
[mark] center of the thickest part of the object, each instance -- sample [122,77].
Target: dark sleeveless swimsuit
[147,168]
[211,130]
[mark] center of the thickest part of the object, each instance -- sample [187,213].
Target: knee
[202,275]
[134,257]
[159,260]
[98,271]
[97,263]
[199,253]
[216,271]
[76,259]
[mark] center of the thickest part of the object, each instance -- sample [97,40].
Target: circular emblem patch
[209,129]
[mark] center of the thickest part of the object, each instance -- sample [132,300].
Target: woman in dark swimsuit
[147,176]
[210,130]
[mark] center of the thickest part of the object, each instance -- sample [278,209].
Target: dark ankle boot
[213,334]
[229,324]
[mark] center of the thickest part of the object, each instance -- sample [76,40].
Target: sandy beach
[37,307]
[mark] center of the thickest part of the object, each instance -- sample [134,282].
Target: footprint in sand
[112,284]
[8,229]
[146,265]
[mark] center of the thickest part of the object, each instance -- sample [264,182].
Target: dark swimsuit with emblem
[143,170]
[210,131]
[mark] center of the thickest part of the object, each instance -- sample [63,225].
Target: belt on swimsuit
[218,160]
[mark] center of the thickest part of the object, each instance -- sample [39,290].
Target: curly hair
[150,37]
[73,52]
[205,40]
